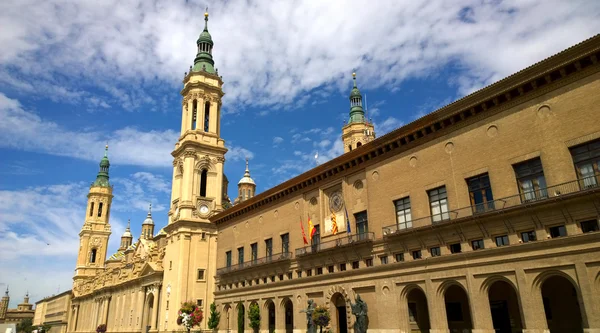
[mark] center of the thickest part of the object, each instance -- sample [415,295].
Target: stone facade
[479,217]
[54,311]
[15,316]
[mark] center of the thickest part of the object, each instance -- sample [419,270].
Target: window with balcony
[309,272]
[280,277]
[477,244]
[240,255]
[369,262]
[586,158]
[416,254]
[289,275]
[557,231]
[435,251]
[502,240]
[254,252]
[228,258]
[319,270]
[269,248]
[403,215]
[480,192]
[299,273]
[530,179]
[399,257]
[285,243]
[528,236]
[438,201]
[316,239]
[589,226]
[330,269]
[342,267]
[362,225]
[355,265]
[455,248]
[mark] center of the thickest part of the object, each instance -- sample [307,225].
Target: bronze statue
[359,309]
[310,324]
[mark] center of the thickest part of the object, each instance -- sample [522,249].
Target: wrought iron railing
[336,243]
[278,257]
[523,198]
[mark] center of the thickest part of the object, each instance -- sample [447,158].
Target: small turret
[102,177]
[204,61]
[358,130]
[127,237]
[148,225]
[4,305]
[246,186]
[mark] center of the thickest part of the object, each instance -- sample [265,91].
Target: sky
[75,75]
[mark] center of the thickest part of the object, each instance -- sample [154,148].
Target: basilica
[479,217]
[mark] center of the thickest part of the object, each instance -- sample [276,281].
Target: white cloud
[25,130]
[277,141]
[386,126]
[269,54]
[236,153]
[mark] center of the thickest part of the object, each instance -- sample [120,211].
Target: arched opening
[339,320]
[92,209]
[203,178]
[194,113]
[418,313]
[100,210]
[93,256]
[206,116]
[561,305]
[241,315]
[504,305]
[289,316]
[358,144]
[350,147]
[271,316]
[457,309]
[227,317]
[147,314]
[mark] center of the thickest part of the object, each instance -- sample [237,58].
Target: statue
[310,324]
[359,309]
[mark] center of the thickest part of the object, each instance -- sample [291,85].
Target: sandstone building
[53,311]
[479,217]
[15,316]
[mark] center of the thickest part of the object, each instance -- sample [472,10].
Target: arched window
[92,209]
[194,113]
[249,196]
[350,147]
[358,145]
[100,210]
[93,256]
[203,178]
[206,115]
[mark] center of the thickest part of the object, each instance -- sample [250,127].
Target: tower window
[358,144]
[203,178]
[92,209]
[194,112]
[93,256]
[206,116]
[100,210]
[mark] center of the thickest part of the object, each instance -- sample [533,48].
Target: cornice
[202,85]
[547,75]
[215,150]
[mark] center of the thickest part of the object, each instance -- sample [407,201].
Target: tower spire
[357,114]
[204,61]
[102,177]
[6,292]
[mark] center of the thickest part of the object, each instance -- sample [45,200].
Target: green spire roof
[357,114]
[204,60]
[102,177]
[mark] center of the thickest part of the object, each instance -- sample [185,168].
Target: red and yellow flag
[303,233]
[311,229]
[334,228]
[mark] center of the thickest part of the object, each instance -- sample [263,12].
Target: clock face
[336,202]
[203,209]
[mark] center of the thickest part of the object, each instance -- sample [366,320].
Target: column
[437,309]
[279,315]
[106,311]
[479,305]
[589,304]
[534,317]
[264,317]
[219,184]
[155,304]
[140,308]
[212,123]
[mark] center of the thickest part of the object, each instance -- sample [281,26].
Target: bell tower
[358,130]
[199,154]
[93,237]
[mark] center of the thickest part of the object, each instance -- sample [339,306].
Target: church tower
[127,237]
[4,305]
[93,237]
[198,190]
[148,225]
[246,187]
[358,130]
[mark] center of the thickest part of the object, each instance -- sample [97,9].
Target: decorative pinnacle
[106,150]
[150,209]
[206,19]
[6,292]
[128,224]
[354,78]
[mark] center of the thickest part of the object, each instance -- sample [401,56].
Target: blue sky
[75,75]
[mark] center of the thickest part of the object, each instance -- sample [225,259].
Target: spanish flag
[334,228]
[303,233]
[311,229]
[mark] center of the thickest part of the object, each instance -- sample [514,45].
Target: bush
[254,316]
[215,317]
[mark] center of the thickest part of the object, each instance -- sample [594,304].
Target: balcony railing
[336,243]
[278,257]
[523,198]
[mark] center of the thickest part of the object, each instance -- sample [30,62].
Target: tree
[254,316]
[215,317]
[25,326]
[321,317]
[240,318]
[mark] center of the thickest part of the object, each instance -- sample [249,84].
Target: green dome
[355,93]
[102,177]
[205,37]
[357,114]
[204,61]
